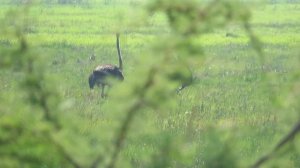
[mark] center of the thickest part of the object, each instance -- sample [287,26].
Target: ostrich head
[92,81]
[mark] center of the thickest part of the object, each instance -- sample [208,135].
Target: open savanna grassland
[232,109]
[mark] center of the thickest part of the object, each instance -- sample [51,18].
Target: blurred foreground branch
[63,151]
[131,113]
[38,95]
[289,137]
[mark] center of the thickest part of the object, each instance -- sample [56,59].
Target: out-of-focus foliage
[49,118]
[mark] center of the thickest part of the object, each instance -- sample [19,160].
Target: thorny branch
[289,137]
[65,154]
[43,103]
[21,158]
[131,113]
[25,158]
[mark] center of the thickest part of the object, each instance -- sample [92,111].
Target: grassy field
[229,97]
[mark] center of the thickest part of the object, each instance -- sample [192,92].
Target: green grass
[228,93]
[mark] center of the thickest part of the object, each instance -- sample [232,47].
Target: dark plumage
[105,74]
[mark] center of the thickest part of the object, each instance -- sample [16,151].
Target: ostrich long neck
[119,52]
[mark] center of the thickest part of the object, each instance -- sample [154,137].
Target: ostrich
[104,74]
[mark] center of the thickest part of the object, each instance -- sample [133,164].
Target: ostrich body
[104,74]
